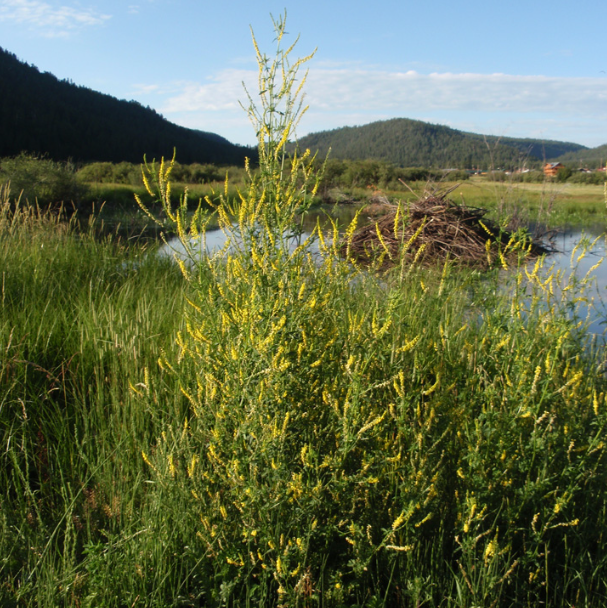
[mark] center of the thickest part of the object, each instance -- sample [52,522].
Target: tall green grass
[80,320]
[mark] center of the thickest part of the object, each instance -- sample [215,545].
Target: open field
[554,204]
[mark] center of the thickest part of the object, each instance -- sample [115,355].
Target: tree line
[42,115]
[413,143]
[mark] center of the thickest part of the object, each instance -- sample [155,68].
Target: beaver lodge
[433,229]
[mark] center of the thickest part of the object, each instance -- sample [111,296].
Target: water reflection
[216,239]
[571,244]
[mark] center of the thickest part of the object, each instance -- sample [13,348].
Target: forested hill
[591,158]
[41,114]
[413,143]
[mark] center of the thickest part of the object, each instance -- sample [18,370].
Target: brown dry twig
[445,230]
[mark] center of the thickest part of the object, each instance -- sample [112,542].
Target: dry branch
[444,230]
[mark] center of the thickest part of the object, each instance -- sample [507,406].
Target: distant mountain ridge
[413,143]
[41,114]
[591,158]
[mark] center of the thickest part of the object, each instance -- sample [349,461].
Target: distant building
[551,169]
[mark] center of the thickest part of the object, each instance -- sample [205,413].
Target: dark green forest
[593,158]
[413,143]
[43,115]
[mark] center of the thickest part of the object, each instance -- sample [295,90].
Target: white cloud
[146,89]
[372,91]
[222,93]
[50,21]
[405,91]
[502,104]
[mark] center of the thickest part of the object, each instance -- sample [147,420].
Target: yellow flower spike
[192,466]
[593,268]
[403,548]
[382,241]
[147,461]
[486,229]
[490,550]
[418,255]
[423,521]
[146,183]
[536,377]
[398,521]
[433,387]
[504,342]
[575,381]
[172,469]
[371,424]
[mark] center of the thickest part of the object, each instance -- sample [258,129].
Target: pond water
[565,241]
[591,241]
[215,240]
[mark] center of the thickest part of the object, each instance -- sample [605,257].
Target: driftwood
[433,229]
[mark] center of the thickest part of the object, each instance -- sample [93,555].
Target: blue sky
[518,69]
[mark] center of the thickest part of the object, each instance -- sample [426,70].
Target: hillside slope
[592,157]
[413,143]
[43,115]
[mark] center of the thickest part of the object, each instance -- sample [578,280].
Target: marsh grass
[270,428]
[80,318]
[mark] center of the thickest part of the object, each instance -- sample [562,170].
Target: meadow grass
[313,436]
[553,204]
[80,319]
[271,427]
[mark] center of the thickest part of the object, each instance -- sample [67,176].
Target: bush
[597,178]
[101,173]
[42,180]
[390,441]
[456,176]
[536,177]
[563,174]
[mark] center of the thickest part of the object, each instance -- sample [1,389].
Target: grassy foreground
[323,438]
[272,428]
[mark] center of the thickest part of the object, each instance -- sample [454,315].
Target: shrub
[102,173]
[42,180]
[563,174]
[597,178]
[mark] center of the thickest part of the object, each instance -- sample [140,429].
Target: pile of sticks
[433,229]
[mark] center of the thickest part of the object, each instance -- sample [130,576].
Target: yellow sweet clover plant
[352,440]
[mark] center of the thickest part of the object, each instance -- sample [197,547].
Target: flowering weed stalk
[350,435]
